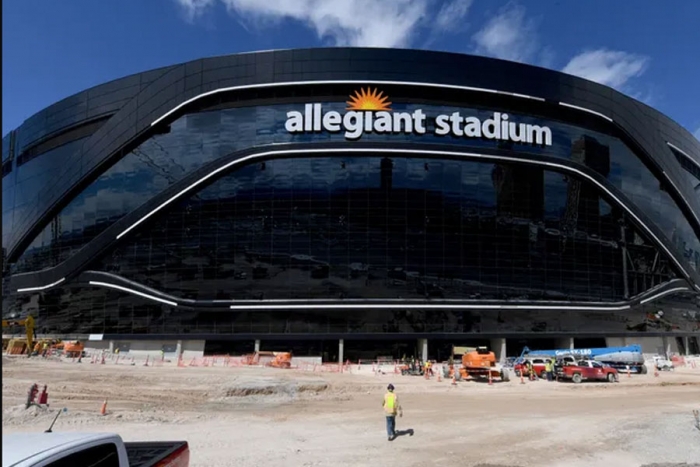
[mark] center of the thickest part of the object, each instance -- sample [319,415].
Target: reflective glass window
[383,228]
[196,139]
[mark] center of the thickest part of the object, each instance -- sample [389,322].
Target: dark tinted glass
[6,147]
[104,455]
[86,310]
[377,227]
[200,138]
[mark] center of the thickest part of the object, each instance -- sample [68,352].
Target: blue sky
[52,49]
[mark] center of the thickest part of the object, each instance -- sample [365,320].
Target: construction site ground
[253,416]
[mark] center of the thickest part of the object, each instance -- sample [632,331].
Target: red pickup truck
[589,370]
[538,367]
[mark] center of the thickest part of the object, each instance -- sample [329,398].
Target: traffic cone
[439,378]
[656,373]
[103,409]
[490,379]
[146,364]
[454,380]
[522,378]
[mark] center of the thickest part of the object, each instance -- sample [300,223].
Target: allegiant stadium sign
[369,112]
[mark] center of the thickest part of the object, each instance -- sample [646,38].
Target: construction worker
[548,369]
[391,408]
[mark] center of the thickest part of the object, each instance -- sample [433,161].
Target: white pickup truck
[89,449]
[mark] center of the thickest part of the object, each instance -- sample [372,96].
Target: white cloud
[194,8]
[608,67]
[508,35]
[451,15]
[368,23]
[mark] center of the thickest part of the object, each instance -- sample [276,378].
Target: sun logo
[369,99]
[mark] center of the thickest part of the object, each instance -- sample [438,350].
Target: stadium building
[353,203]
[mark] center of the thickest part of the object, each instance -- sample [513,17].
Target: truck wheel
[643,370]
[611,377]
[517,373]
[505,377]
[576,378]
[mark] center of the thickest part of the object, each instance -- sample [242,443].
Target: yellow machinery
[28,324]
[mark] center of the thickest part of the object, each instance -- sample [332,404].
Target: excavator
[21,345]
[477,363]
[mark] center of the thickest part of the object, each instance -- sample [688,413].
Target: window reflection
[83,310]
[196,139]
[377,228]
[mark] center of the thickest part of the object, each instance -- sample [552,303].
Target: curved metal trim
[412,151]
[240,157]
[341,81]
[131,291]
[455,304]
[42,287]
[583,109]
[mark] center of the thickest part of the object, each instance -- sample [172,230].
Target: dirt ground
[248,416]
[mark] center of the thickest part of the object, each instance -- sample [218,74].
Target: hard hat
[390,387]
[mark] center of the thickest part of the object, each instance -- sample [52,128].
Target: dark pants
[391,425]
[550,376]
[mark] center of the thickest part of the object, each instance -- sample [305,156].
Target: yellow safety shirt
[391,403]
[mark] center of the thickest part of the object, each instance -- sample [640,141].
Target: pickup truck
[89,449]
[538,366]
[589,370]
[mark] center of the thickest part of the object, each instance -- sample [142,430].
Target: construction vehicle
[70,349]
[28,342]
[538,363]
[620,358]
[477,363]
[272,359]
[587,370]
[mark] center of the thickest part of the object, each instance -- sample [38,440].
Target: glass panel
[86,310]
[196,139]
[374,227]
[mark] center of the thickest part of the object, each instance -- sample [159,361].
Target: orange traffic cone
[454,380]
[629,373]
[439,378]
[103,410]
[490,379]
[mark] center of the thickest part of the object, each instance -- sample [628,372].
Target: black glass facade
[493,223]
[199,138]
[390,228]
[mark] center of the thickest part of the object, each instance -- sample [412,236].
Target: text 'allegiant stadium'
[369,111]
[355,123]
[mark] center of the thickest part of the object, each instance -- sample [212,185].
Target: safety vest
[390,403]
[548,366]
